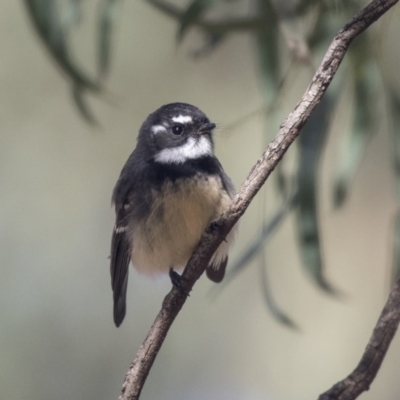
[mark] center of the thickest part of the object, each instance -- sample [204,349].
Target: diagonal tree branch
[215,233]
[361,378]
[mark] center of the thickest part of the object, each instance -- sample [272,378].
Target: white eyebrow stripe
[192,149]
[158,128]
[182,119]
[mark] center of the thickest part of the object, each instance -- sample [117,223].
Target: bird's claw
[178,281]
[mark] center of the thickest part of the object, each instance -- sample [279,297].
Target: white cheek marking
[182,119]
[192,149]
[157,128]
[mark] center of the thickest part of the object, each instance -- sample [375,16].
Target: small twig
[361,378]
[290,129]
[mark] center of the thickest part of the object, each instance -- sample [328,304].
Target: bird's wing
[226,181]
[120,246]
[119,267]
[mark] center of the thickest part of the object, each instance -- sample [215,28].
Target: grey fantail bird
[170,189]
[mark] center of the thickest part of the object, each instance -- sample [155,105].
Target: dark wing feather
[121,242]
[119,268]
[226,181]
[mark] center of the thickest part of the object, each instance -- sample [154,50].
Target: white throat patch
[191,150]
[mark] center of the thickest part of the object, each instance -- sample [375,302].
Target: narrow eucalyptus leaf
[395,112]
[212,41]
[222,26]
[312,141]
[327,19]
[268,229]
[275,309]
[268,49]
[363,127]
[78,93]
[73,15]
[302,6]
[47,22]
[396,247]
[291,24]
[108,15]
[281,179]
[195,9]
[192,13]
[320,36]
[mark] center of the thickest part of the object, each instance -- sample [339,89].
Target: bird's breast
[180,211]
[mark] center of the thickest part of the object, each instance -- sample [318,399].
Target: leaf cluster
[289,36]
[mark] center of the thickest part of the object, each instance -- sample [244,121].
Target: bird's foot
[214,227]
[178,281]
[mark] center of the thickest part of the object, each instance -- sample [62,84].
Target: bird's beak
[207,128]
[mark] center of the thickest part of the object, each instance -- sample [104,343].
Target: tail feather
[120,303]
[216,273]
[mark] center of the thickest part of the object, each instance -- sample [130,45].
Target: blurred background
[327,270]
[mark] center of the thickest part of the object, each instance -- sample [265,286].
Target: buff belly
[178,216]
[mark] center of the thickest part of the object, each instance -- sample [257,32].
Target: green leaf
[80,102]
[222,26]
[364,75]
[302,6]
[273,307]
[109,13]
[212,41]
[268,49]
[328,18]
[254,250]
[268,229]
[396,248]
[291,24]
[312,141]
[193,13]
[281,180]
[53,30]
[394,99]
[394,103]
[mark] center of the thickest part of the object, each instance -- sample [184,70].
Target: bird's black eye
[177,129]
